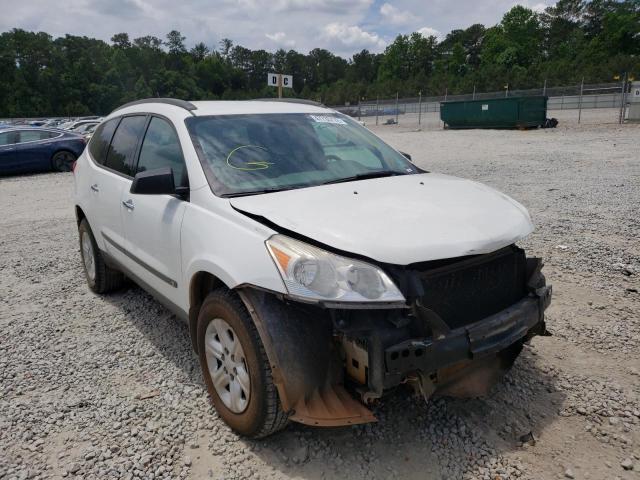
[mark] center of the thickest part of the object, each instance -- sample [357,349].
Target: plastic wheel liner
[305,364]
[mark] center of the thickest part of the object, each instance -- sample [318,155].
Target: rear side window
[101,139]
[9,138]
[161,148]
[33,135]
[124,144]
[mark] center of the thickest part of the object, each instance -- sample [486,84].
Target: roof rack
[168,101]
[292,100]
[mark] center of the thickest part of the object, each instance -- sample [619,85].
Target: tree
[121,40]
[225,47]
[175,42]
[199,52]
[70,75]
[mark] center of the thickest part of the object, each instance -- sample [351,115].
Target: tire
[262,414]
[100,277]
[62,161]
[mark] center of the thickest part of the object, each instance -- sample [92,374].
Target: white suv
[315,266]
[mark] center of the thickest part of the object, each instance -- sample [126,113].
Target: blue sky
[342,26]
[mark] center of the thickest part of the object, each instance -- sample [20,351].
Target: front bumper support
[472,342]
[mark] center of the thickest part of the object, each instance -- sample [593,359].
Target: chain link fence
[585,104]
[600,103]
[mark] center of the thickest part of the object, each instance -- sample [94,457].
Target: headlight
[313,273]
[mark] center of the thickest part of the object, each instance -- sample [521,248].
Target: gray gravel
[108,387]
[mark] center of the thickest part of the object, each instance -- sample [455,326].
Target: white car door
[108,181]
[152,223]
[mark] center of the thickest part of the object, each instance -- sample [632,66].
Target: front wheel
[63,161]
[235,367]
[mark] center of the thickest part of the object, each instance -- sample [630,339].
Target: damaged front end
[464,324]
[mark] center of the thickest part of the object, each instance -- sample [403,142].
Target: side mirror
[158,181]
[407,156]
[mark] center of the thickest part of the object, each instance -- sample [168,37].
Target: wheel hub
[227,366]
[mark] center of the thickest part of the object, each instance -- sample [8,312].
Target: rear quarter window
[99,145]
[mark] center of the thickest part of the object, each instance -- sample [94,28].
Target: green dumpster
[510,112]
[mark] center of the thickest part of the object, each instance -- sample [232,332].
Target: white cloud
[428,32]
[331,6]
[536,6]
[280,38]
[353,37]
[396,16]
[539,7]
[342,26]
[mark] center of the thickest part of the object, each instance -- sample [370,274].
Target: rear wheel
[63,161]
[235,367]
[100,277]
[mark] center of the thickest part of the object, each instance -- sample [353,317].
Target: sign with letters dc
[272,80]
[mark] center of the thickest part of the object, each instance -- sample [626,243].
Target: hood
[398,220]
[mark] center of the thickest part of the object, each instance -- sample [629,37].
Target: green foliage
[72,75]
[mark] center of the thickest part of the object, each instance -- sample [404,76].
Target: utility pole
[474,92]
[544,88]
[377,108]
[419,106]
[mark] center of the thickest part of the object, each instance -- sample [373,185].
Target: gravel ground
[108,387]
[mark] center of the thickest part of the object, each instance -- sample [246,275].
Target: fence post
[377,109]
[580,101]
[446,92]
[474,92]
[359,112]
[544,88]
[622,94]
[419,107]
[396,108]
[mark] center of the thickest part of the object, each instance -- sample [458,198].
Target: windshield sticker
[327,119]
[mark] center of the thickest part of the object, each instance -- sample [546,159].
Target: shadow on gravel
[168,335]
[444,438]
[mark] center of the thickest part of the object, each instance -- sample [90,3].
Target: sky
[342,26]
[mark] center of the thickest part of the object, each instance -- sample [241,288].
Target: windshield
[251,154]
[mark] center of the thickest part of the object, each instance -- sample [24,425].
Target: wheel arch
[80,215]
[201,284]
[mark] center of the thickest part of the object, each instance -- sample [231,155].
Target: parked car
[84,127]
[316,267]
[88,132]
[78,123]
[36,149]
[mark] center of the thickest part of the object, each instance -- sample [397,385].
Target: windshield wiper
[252,192]
[264,190]
[365,176]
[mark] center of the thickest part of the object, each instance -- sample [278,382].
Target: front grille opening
[465,292]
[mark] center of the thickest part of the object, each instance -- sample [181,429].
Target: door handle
[128,204]
[95,188]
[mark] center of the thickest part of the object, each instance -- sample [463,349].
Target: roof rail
[293,100]
[167,101]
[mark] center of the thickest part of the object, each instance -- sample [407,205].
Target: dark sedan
[34,149]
